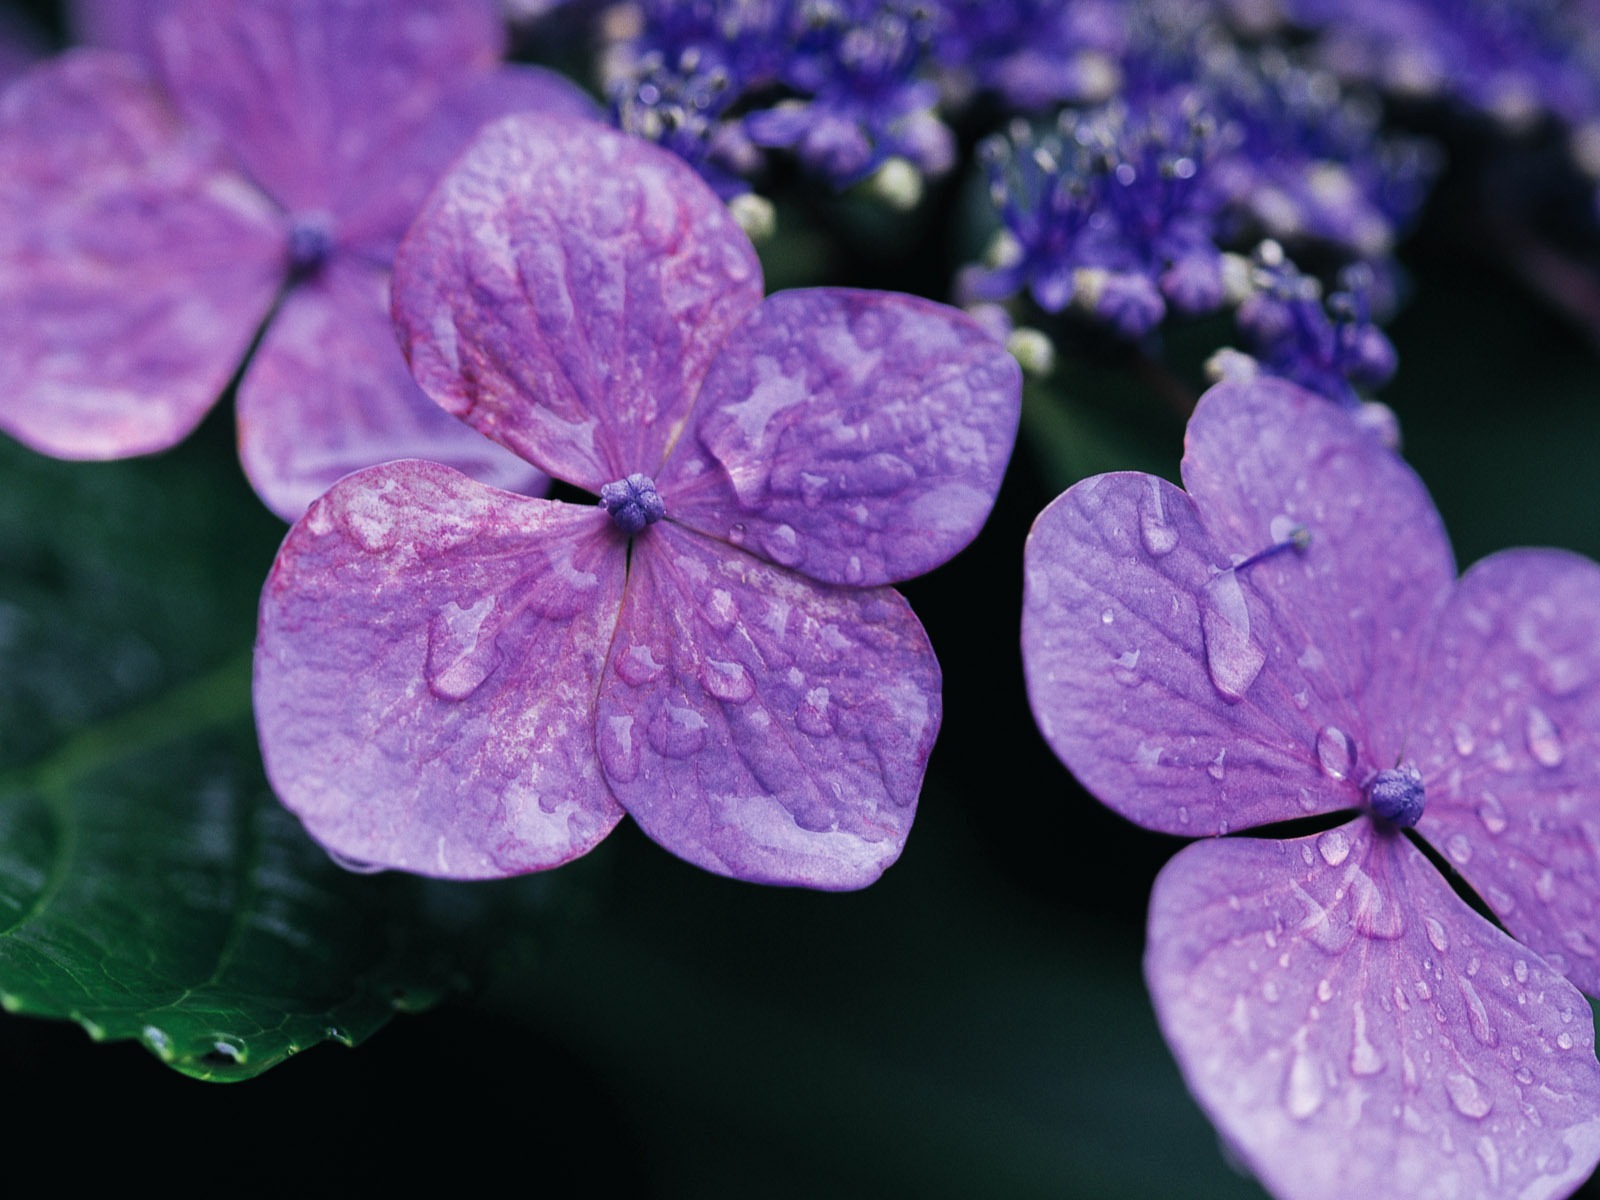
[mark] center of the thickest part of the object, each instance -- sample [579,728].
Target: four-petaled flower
[1288,638]
[464,682]
[263,157]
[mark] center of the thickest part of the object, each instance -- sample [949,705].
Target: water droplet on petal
[1436,934]
[1302,700]
[1544,742]
[1564,1040]
[1458,848]
[1545,886]
[677,732]
[638,665]
[727,680]
[1461,734]
[1336,752]
[1579,943]
[814,716]
[1215,768]
[1233,658]
[783,544]
[720,610]
[1492,814]
[619,749]
[1520,970]
[1477,1014]
[1364,1056]
[1489,1156]
[1159,537]
[1303,1091]
[355,865]
[1561,676]
[461,653]
[1467,1097]
[1126,669]
[1324,990]
[1334,846]
[1107,617]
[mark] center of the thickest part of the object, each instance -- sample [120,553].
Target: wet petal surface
[1353,1029]
[763,726]
[311,96]
[426,669]
[328,392]
[135,265]
[858,437]
[565,290]
[1509,742]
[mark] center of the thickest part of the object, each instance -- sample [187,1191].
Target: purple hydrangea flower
[264,159]
[1286,638]
[469,683]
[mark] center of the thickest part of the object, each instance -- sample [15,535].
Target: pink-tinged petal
[1359,603]
[1354,1029]
[858,437]
[426,669]
[565,290]
[1164,680]
[135,266]
[308,94]
[328,393]
[380,197]
[1508,744]
[760,725]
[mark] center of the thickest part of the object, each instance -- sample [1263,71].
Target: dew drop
[1307,801]
[1467,1097]
[1564,1040]
[1461,734]
[1334,846]
[1158,535]
[1126,669]
[854,572]
[1302,700]
[1215,768]
[157,1040]
[461,655]
[814,716]
[1579,943]
[1477,1014]
[677,732]
[355,866]
[720,610]
[1336,752]
[1364,1056]
[1458,848]
[783,544]
[1544,887]
[1520,970]
[619,750]
[1544,743]
[737,533]
[1489,1156]
[1107,617]
[727,681]
[1303,1091]
[1492,814]
[638,665]
[1436,934]
[1561,676]
[1324,990]
[1233,657]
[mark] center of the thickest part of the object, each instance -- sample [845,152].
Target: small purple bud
[1396,795]
[633,502]
[310,242]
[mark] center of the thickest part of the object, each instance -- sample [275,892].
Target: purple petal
[126,25]
[565,290]
[1509,747]
[1354,1029]
[762,726]
[309,95]
[1358,605]
[1158,676]
[426,669]
[134,266]
[858,437]
[327,393]
[20,45]
[382,195]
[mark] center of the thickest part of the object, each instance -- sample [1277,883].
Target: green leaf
[150,885]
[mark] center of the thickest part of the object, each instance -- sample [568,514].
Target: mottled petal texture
[760,725]
[327,393]
[565,290]
[1194,696]
[858,437]
[1510,746]
[312,95]
[1354,1029]
[1362,600]
[426,668]
[135,265]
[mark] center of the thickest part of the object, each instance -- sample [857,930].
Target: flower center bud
[310,242]
[1397,796]
[633,503]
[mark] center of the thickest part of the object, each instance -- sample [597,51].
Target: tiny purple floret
[1351,1025]
[462,682]
[633,502]
[1396,794]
